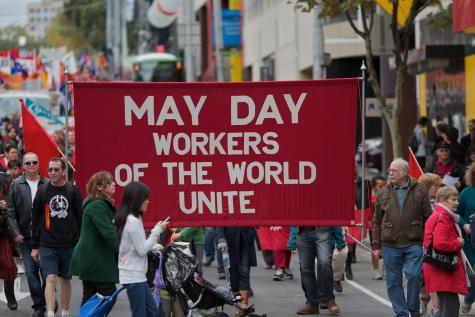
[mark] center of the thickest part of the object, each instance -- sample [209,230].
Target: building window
[268,68]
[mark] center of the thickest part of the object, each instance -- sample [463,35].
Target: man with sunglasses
[55,227]
[444,164]
[20,200]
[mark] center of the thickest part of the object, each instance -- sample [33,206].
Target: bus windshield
[157,67]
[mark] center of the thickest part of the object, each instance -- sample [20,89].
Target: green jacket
[95,255]
[189,233]
[466,209]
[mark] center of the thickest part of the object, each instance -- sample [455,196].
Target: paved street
[363,297]
[277,299]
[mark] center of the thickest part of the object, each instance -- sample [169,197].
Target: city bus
[157,67]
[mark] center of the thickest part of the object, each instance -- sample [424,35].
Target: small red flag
[37,139]
[415,170]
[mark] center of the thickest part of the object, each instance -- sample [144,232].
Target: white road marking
[371,294]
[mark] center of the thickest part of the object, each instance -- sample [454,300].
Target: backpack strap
[70,192]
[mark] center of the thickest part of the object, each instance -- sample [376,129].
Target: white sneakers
[376,275]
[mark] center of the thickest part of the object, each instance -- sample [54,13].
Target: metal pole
[318,43]
[188,41]
[218,39]
[363,147]
[66,123]
[123,37]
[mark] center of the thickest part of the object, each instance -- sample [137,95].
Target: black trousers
[449,304]
[90,288]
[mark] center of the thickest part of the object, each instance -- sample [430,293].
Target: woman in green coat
[95,256]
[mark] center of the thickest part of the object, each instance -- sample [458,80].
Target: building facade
[40,15]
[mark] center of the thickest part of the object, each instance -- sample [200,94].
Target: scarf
[456,218]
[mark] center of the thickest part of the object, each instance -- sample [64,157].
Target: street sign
[373,106]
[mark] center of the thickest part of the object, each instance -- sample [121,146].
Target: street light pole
[363,147]
[218,34]
[66,123]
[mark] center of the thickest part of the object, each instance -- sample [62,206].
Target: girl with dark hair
[133,248]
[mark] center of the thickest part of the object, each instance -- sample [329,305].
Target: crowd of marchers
[419,227]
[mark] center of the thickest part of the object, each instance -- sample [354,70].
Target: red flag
[415,170]
[37,139]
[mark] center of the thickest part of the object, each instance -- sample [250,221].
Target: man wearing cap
[444,164]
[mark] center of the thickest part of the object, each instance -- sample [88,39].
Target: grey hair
[445,192]
[403,163]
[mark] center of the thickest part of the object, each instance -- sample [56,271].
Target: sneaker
[288,274]
[308,310]
[376,275]
[208,260]
[337,286]
[278,275]
[12,305]
[466,308]
[333,308]
[267,266]
[221,276]
[38,313]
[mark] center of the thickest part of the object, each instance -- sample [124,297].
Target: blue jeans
[199,257]
[240,273]
[409,261]
[310,243]
[209,242]
[141,300]
[469,298]
[34,277]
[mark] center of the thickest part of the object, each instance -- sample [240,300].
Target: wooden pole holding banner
[64,157]
[363,147]
[66,125]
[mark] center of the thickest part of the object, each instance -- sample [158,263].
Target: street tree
[401,36]
[10,34]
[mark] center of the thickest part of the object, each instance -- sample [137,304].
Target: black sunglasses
[31,163]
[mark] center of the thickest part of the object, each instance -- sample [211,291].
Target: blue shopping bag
[98,305]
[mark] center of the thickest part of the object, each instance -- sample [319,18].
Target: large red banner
[225,154]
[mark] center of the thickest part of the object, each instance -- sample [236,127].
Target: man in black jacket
[20,200]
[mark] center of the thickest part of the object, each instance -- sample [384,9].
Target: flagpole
[363,147]
[66,124]
[63,156]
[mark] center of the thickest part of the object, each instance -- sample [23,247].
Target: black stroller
[193,291]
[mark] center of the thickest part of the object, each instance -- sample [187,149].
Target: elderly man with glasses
[402,208]
[20,201]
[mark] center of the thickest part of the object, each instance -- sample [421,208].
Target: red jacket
[445,240]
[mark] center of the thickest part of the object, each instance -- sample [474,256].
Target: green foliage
[331,8]
[443,19]
[82,25]
[9,36]
[88,17]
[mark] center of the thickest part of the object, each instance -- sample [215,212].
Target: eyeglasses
[443,150]
[31,163]
[54,169]
[393,171]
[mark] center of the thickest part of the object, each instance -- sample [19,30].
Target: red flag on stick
[415,170]
[37,139]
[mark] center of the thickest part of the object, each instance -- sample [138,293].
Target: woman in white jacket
[133,248]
